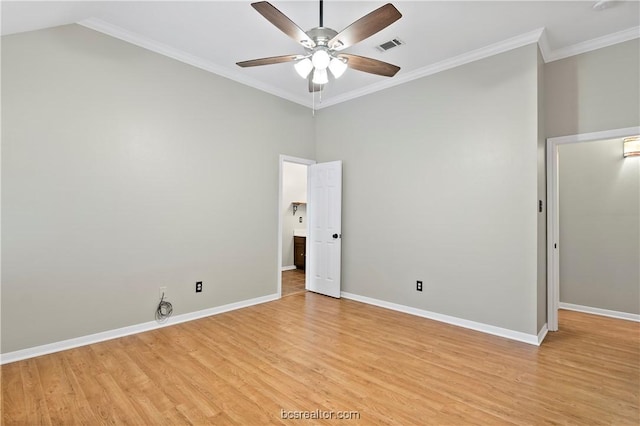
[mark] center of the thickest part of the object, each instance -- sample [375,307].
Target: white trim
[177,54]
[553,216]
[594,44]
[126,331]
[553,269]
[531,339]
[602,312]
[543,44]
[456,61]
[281,160]
[535,36]
[596,136]
[542,334]
[288,268]
[182,56]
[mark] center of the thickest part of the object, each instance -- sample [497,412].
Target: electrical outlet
[418,285]
[163,290]
[199,287]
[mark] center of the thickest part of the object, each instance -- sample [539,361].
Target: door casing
[282,160]
[553,216]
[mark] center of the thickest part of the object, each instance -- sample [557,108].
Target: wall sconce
[631,146]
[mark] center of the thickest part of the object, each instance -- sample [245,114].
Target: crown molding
[456,61]
[543,45]
[593,44]
[179,55]
[538,36]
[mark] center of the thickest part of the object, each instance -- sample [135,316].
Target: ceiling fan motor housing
[322,45]
[322,35]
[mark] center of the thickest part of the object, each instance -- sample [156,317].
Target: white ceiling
[214,35]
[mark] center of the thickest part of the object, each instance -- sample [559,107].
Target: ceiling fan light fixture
[303,67]
[320,59]
[322,44]
[320,76]
[337,67]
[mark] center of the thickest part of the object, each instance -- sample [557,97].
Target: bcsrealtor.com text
[319,415]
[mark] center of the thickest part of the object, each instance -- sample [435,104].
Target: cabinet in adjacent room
[299,255]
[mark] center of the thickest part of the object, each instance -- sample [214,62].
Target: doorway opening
[293,229]
[595,212]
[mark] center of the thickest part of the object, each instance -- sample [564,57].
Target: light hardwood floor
[293,282]
[310,352]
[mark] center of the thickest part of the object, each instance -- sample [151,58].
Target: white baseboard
[288,268]
[543,333]
[126,331]
[531,339]
[597,311]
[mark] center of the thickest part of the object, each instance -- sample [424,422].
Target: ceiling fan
[323,45]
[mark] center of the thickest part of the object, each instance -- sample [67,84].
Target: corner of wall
[541,299]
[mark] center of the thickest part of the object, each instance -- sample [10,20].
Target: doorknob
[335,236]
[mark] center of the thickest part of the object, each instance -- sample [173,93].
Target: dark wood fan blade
[268,61]
[372,66]
[365,27]
[283,23]
[314,87]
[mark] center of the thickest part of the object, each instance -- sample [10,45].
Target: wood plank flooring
[293,282]
[310,352]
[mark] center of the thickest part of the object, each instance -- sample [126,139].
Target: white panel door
[324,241]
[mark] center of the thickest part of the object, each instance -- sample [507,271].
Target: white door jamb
[288,159]
[553,217]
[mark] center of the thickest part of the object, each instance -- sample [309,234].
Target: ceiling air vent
[389,44]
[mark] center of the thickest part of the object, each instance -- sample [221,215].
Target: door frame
[281,161]
[553,213]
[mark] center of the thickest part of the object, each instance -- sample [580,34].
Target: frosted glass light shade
[303,67]
[631,146]
[320,59]
[320,76]
[337,67]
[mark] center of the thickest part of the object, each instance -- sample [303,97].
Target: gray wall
[595,91]
[441,184]
[599,226]
[124,171]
